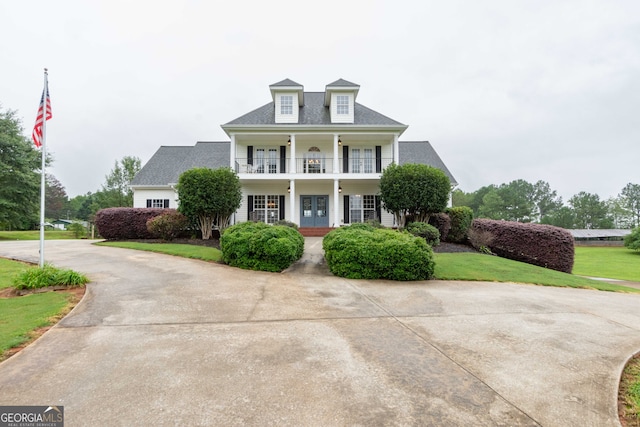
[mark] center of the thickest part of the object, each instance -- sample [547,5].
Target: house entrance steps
[314,231]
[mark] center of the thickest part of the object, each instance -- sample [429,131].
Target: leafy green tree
[590,211]
[492,206]
[209,197]
[563,217]
[632,241]
[620,215]
[631,195]
[20,165]
[56,200]
[115,191]
[518,198]
[414,190]
[545,200]
[83,207]
[460,198]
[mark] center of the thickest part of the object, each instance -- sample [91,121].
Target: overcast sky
[538,90]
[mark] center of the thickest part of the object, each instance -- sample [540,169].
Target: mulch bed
[446,247]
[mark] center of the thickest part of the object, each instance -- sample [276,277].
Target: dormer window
[342,104]
[286,105]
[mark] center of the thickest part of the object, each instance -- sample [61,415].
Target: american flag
[37,129]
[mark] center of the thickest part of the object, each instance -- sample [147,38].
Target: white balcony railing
[312,165]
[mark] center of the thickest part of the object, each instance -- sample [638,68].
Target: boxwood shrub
[428,232]
[258,246]
[537,244]
[361,251]
[126,223]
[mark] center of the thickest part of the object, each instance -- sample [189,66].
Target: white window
[342,104]
[286,104]
[266,208]
[157,203]
[362,208]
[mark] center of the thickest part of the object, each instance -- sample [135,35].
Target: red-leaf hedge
[542,245]
[126,223]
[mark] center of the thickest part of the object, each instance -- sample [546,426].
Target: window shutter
[166,203]
[378,208]
[250,155]
[281,207]
[148,203]
[250,208]
[283,159]
[346,209]
[345,159]
[378,158]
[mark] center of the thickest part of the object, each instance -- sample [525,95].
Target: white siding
[287,118]
[341,118]
[140,197]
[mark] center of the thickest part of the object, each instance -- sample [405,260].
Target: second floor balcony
[312,165]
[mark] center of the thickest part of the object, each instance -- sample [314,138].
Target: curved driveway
[160,340]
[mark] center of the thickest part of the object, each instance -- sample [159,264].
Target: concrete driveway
[160,340]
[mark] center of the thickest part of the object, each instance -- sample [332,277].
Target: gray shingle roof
[286,82]
[169,162]
[314,113]
[343,82]
[423,153]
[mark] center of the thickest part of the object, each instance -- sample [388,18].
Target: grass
[21,315]
[472,266]
[35,235]
[9,270]
[204,253]
[610,262]
[629,394]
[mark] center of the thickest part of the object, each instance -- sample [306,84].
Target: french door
[314,211]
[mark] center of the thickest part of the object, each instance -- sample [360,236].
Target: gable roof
[313,112]
[343,82]
[423,153]
[286,83]
[169,162]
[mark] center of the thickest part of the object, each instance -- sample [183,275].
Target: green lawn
[8,270]
[35,235]
[187,251]
[21,315]
[473,266]
[610,262]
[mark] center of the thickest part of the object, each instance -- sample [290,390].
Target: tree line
[20,168]
[523,201]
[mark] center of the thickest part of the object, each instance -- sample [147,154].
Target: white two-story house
[313,158]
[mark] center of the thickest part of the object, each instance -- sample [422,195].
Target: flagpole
[42,169]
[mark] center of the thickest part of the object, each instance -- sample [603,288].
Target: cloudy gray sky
[504,90]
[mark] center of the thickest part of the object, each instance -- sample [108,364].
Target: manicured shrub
[461,218]
[442,222]
[632,241]
[167,226]
[428,232]
[286,223]
[360,251]
[537,244]
[126,223]
[258,246]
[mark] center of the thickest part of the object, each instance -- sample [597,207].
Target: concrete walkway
[160,340]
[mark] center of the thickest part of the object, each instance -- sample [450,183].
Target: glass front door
[314,211]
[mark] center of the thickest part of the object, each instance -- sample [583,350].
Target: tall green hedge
[360,251]
[258,246]
[461,218]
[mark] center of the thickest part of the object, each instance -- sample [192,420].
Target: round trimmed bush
[428,232]
[258,246]
[360,251]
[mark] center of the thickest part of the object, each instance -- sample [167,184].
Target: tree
[631,195]
[492,206]
[460,198]
[209,197]
[20,164]
[115,191]
[518,198]
[632,241]
[620,215]
[590,211]
[56,200]
[563,217]
[414,190]
[545,200]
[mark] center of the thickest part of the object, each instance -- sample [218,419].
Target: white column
[292,152]
[232,152]
[396,149]
[292,200]
[335,153]
[336,203]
